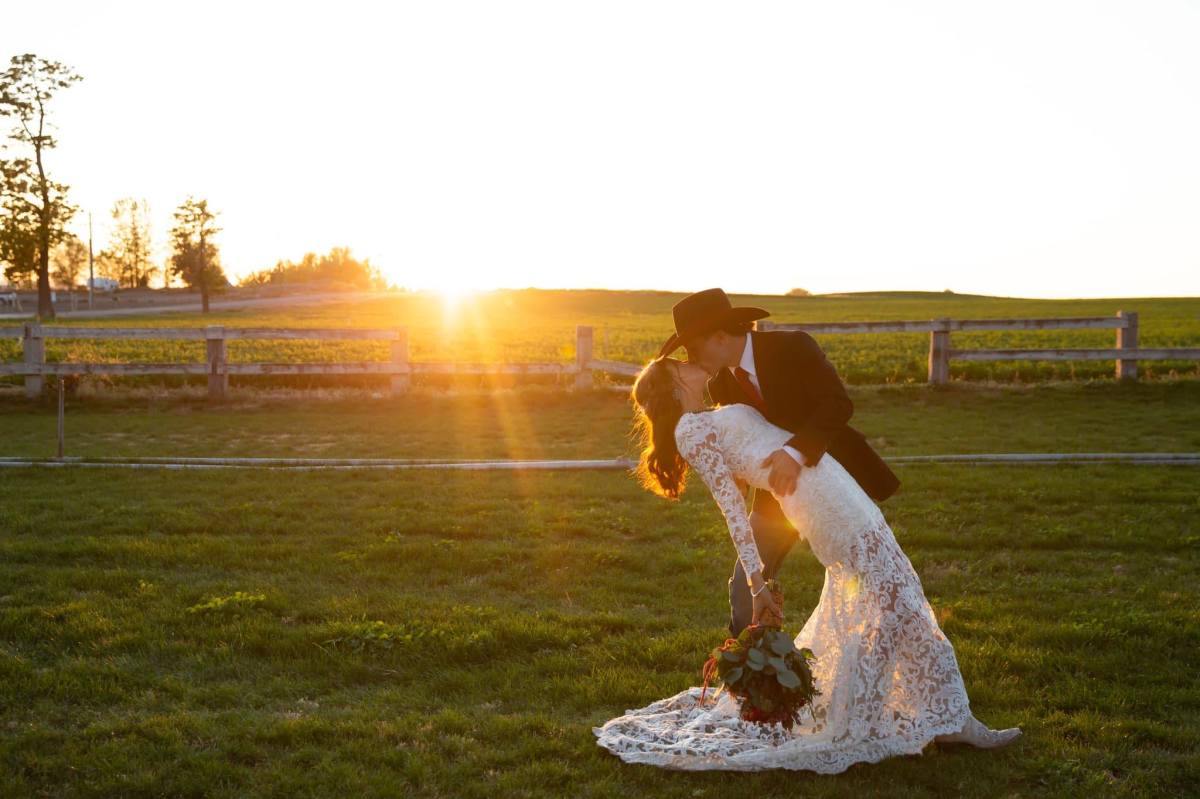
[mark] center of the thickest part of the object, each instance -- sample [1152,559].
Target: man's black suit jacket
[804,394]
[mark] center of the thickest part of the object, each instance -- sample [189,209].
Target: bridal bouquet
[764,669]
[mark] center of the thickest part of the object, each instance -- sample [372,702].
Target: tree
[165,270]
[108,266]
[130,244]
[194,256]
[26,87]
[18,223]
[339,267]
[256,279]
[69,258]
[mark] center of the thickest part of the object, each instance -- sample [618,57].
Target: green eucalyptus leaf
[781,643]
[788,678]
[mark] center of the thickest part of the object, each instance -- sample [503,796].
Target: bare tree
[165,271]
[69,259]
[130,244]
[194,256]
[108,266]
[26,87]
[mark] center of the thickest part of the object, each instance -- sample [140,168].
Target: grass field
[1083,416]
[237,633]
[538,325]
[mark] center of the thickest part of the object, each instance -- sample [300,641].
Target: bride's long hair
[657,410]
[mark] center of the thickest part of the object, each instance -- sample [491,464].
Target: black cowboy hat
[704,312]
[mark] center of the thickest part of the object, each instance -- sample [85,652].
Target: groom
[787,377]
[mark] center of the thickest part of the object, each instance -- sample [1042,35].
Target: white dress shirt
[748,364]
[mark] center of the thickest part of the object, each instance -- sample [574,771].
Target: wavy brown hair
[657,410]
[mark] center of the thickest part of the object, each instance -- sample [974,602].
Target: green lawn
[538,325]
[235,633]
[1083,416]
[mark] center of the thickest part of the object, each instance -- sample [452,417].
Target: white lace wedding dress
[888,677]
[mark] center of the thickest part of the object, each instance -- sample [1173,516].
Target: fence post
[62,411]
[1127,339]
[583,356]
[34,348]
[939,352]
[218,378]
[400,380]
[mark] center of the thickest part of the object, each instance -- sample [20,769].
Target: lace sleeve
[699,447]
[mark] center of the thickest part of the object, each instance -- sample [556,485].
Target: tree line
[338,266]
[36,249]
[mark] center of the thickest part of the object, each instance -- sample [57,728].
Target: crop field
[539,325]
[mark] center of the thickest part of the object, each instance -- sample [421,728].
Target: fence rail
[930,325]
[1126,353]
[34,368]
[329,464]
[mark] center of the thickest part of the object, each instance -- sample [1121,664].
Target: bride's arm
[702,451]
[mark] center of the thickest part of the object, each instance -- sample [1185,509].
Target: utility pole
[91,265]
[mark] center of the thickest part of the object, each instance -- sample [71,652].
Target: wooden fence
[1126,353]
[217,367]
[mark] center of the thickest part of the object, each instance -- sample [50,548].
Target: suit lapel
[764,365]
[765,369]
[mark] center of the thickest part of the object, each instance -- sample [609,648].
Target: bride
[888,678]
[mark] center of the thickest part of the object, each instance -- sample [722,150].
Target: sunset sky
[1042,149]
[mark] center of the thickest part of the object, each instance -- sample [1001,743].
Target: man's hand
[784,472]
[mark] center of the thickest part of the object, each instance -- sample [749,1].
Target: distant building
[102,284]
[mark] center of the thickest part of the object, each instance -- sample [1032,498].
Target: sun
[452,297]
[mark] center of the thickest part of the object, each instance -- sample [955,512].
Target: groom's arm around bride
[786,375]
[802,393]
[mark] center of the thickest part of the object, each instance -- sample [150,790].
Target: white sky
[1044,149]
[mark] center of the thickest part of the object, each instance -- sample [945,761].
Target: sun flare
[455,294]
[453,298]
